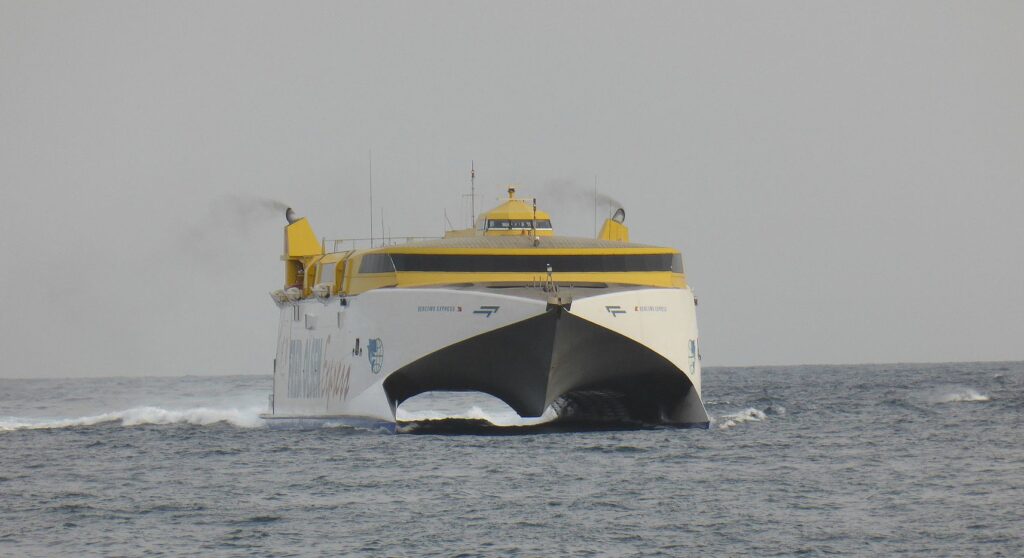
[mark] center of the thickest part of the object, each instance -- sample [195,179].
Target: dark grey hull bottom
[589,374]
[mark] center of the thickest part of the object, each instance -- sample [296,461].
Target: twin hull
[355,359]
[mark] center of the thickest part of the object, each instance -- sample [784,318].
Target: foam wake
[960,396]
[735,419]
[199,416]
[497,418]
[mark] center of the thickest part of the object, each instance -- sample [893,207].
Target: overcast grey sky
[845,179]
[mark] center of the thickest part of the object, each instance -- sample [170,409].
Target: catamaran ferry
[593,328]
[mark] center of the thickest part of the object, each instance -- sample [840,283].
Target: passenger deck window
[535,264]
[377,263]
[677,263]
[326,273]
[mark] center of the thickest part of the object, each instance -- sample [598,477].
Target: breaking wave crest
[735,419]
[496,418]
[960,396]
[199,416]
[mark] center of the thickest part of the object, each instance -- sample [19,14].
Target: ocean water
[813,460]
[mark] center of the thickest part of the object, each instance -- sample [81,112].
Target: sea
[868,460]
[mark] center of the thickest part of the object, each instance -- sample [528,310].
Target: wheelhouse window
[517,224]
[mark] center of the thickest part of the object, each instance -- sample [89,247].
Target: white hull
[356,358]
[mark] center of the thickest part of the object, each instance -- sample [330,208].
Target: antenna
[371,198]
[533,228]
[595,205]
[471,195]
[533,224]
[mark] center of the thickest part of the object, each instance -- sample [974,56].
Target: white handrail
[332,245]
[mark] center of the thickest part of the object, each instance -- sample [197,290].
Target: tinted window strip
[376,263]
[536,264]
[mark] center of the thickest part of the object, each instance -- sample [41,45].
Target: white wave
[509,418]
[746,415]
[959,396]
[200,416]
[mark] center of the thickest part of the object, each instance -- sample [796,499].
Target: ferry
[591,329]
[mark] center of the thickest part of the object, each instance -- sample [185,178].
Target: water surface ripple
[813,460]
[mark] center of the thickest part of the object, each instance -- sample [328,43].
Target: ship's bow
[611,354]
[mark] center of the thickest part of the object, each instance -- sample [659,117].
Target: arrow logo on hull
[487,310]
[615,310]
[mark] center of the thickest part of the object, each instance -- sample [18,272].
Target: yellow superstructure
[300,250]
[613,228]
[514,217]
[512,244]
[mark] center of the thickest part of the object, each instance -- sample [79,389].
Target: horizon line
[710,367]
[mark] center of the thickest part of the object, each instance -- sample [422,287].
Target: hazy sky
[845,179]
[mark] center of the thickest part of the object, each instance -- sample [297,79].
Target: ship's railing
[330,245]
